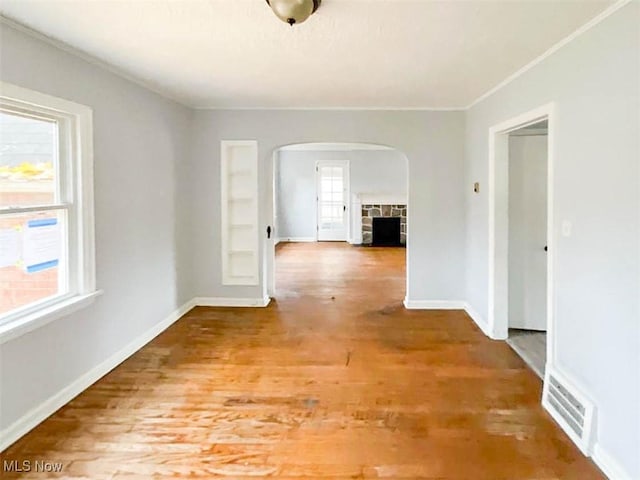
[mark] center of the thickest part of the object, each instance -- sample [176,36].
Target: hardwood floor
[334,380]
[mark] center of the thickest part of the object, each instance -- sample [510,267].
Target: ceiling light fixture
[293,11]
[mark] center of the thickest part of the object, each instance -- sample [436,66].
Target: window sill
[33,321]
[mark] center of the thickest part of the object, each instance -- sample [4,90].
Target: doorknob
[269,231]
[344,208]
[546,248]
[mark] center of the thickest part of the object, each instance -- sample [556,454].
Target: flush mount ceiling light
[293,11]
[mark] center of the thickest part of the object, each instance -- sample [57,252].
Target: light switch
[566,228]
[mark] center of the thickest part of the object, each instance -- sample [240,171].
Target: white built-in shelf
[239,215]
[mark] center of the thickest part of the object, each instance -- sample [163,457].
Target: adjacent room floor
[334,380]
[531,346]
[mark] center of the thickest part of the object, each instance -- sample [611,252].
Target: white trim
[170,96]
[479,320]
[346,109]
[231,302]
[382,198]
[19,96]
[334,147]
[28,323]
[92,60]
[34,208]
[433,304]
[584,28]
[297,239]
[38,414]
[497,320]
[250,219]
[76,143]
[609,466]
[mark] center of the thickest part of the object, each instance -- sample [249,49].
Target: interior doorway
[337,193]
[527,250]
[521,236]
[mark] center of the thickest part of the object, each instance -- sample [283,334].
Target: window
[46,209]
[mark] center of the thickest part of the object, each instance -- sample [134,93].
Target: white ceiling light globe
[293,11]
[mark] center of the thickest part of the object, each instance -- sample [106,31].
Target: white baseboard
[610,467]
[433,304]
[298,239]
[479,320]
[231,302]
[38,414]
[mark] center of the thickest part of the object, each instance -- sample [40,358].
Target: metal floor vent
[570,409]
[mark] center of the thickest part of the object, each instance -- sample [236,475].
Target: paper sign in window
[41,244]
[9,247]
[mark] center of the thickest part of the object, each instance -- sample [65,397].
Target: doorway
[328,195]
[332,197]
[527,249]
[520,236]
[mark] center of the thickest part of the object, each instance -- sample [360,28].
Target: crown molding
[584,28]
[357,109]
[170,96]
[152,87]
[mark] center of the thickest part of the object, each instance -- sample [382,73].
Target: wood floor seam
[334,380]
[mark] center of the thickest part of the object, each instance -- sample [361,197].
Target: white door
[528,232]
[332,196]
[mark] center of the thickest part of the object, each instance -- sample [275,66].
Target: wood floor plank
[334,380]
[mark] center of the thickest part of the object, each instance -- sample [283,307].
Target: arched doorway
[374,179]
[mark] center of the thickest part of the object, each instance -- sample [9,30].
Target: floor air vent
[570,409]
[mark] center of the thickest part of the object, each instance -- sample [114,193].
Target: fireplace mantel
[385,205]
[382,198]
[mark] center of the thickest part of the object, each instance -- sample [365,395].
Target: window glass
[32,258]
[28,161]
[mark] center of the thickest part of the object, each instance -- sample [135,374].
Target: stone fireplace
[371,211]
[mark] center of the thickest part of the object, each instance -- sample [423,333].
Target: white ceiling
[350,53]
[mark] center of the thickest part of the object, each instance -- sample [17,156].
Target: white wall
[371,171]
[595,84]
[142,252]
[158,211]
[527,231]
[295,196]
[432,141]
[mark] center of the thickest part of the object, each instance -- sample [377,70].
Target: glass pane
[326,186]
[28,161]
[32,266]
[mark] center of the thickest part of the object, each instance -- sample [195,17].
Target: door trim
[498,321]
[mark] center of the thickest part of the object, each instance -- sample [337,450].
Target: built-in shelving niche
[239,188]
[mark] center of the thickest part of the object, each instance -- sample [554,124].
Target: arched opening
[335,199]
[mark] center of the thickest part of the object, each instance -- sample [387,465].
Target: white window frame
[75,138]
